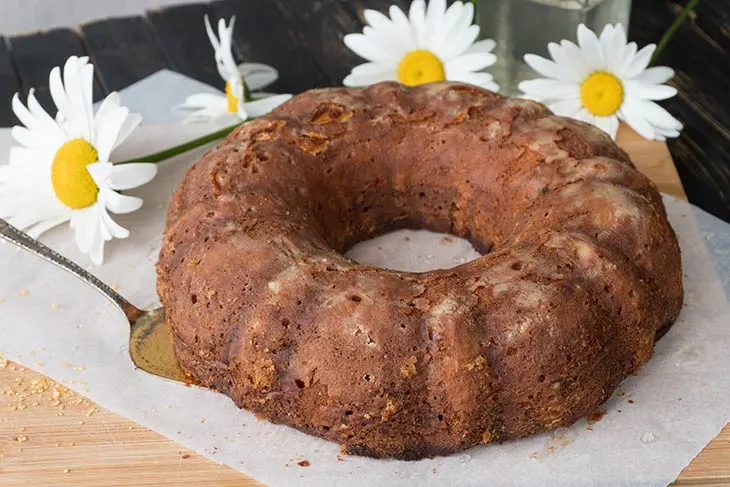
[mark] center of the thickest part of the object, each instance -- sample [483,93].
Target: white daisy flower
[61,171]
[238,102]
[432,44]
[604,80]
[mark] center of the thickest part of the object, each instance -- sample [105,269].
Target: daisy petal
[373,69]
[547,68]
[107,130]
[658,116]
[100,172]
[435,14]
[590,46]
[566,108]
[365,80]
[458,45]
[608,125]
[96,252]
[655,75]
[120,203]
[112,228]
[451,19]
[417,17]
[632,115]
[85,225]
[647,91]
[128,176]
[569,56]
[470,62]
[132,122]
[485,45]
[366,48]
[640,62]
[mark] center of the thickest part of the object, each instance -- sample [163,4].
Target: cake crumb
[24,292]
[20,438]
[55,305]
[2,300]
[596,416]
[3,362]
[447,240]
[185,456]
[202,420]
[407,238]
[630,401]
[304,463]
[91,412]
[66,470]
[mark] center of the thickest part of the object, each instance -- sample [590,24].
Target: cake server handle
[26,242]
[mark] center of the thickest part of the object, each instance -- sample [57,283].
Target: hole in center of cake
[413,251]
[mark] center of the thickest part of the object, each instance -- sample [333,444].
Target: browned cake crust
[581,268]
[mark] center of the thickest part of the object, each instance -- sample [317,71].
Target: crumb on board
[20,438]
[28,392]
[630,401]
[303,463]
[66,470]
[185,456]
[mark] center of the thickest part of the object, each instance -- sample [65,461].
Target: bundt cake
[580,268]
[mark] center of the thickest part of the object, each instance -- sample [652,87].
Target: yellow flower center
[72,183]
[419,67]
[602,93]
[232,100]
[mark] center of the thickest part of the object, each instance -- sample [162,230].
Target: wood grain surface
[51,437]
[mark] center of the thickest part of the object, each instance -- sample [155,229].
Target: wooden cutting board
[52,437]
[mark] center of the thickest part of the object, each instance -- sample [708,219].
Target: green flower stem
[187,146]
[673,28]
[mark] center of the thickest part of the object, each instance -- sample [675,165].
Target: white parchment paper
[680,400]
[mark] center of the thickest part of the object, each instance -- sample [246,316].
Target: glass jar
[527,26]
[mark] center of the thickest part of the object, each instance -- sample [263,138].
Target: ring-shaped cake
[580,268]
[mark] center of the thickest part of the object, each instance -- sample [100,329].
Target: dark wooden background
[303,40]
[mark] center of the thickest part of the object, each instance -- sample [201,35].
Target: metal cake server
[150,338]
